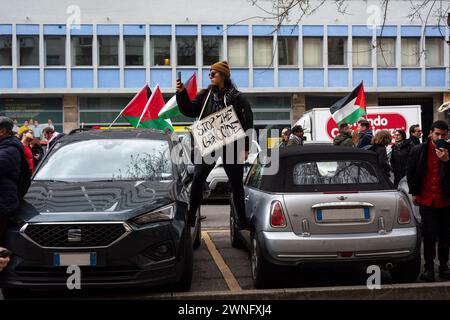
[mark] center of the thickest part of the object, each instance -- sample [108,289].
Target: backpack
[24,178]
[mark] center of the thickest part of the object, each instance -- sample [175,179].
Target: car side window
[254,176]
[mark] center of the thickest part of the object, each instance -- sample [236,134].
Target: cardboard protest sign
[217,130]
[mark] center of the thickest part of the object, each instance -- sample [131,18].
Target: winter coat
[344,140]
[365,138]
[399,158]
[383,160]
[11,150]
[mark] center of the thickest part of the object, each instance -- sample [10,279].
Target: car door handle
[246,198]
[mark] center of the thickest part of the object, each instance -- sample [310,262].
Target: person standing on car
[428,176]
[296,137]
[399,156]
[365,134]
[285,133]
[344,138]
[220,89]
[379,142]
[415,133]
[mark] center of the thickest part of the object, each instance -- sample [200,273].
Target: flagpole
[146,106]
[126,107]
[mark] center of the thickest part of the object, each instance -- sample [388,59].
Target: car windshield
[108,159]
[335,172]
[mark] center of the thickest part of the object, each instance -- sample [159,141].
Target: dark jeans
[435,227]
[235,173]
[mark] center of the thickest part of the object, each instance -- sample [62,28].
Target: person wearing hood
[220,94]
[399,156]
[344,138]
[365,134]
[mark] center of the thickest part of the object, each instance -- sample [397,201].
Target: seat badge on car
[74,235]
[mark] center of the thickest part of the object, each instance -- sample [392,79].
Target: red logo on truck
[378,121]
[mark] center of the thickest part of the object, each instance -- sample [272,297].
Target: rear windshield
[334,172]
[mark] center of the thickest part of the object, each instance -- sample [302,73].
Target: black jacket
[383,159]
[365,138]
[414,141]
[11,153]
[399,158]
[193,108]
[417,165]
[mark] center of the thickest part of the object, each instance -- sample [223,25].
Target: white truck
[318,124]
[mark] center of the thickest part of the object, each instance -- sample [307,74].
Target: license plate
[342,215]
[74,259]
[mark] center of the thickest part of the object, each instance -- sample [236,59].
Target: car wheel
[236,242]
[184,284]
[407,272]
[261,268]
[198,234]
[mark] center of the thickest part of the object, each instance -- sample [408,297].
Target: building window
[28,48]
[82,51]
[160,51]
[337,51]
[362,52]
[212,50]
[262,52]
[410,52]
[55,51]
[108,51]
[312,52]
[5,51]
[134,51]
[386,52]
[186,51]
[238,52]
[434,52]
[287,51]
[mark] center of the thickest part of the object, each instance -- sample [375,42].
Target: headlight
[162,214]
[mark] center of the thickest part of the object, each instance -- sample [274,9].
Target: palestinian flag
[149,117]
[350,108]
[134,108]
[171,110]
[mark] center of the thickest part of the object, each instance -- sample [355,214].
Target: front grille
[57,235]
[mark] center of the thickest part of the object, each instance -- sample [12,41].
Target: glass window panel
[28,48]
[212,50]
[410,52]
[337,51]
[386,52]
[287,51]
[434,52]
[134,51]
[362,52]
[186,51]
[262,51]
[312,52]
[5,50]
[108,51]
[82,51]
[238,52]
[55,51]
[160,51]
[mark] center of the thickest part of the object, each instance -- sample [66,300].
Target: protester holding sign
[223,96]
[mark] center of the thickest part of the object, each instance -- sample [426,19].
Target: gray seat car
[327,205]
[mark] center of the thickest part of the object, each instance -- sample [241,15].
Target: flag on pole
[170,109]
[149,116]
[350,108]
[135,107]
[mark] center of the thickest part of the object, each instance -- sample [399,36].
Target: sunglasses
[212,74]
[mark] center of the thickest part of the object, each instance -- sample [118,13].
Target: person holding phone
[428,176]
[221,93]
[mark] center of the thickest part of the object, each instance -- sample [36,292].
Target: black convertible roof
[321,148]
[80,134]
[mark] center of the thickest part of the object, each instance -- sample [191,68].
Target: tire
[198,234]
[236,241]
[184,284]
[407,272]
[262,270]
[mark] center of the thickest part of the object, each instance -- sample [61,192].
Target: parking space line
[228,276]
[217,230]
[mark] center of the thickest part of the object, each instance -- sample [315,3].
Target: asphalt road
[219,267]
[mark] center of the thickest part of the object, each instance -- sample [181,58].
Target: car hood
[117,200]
